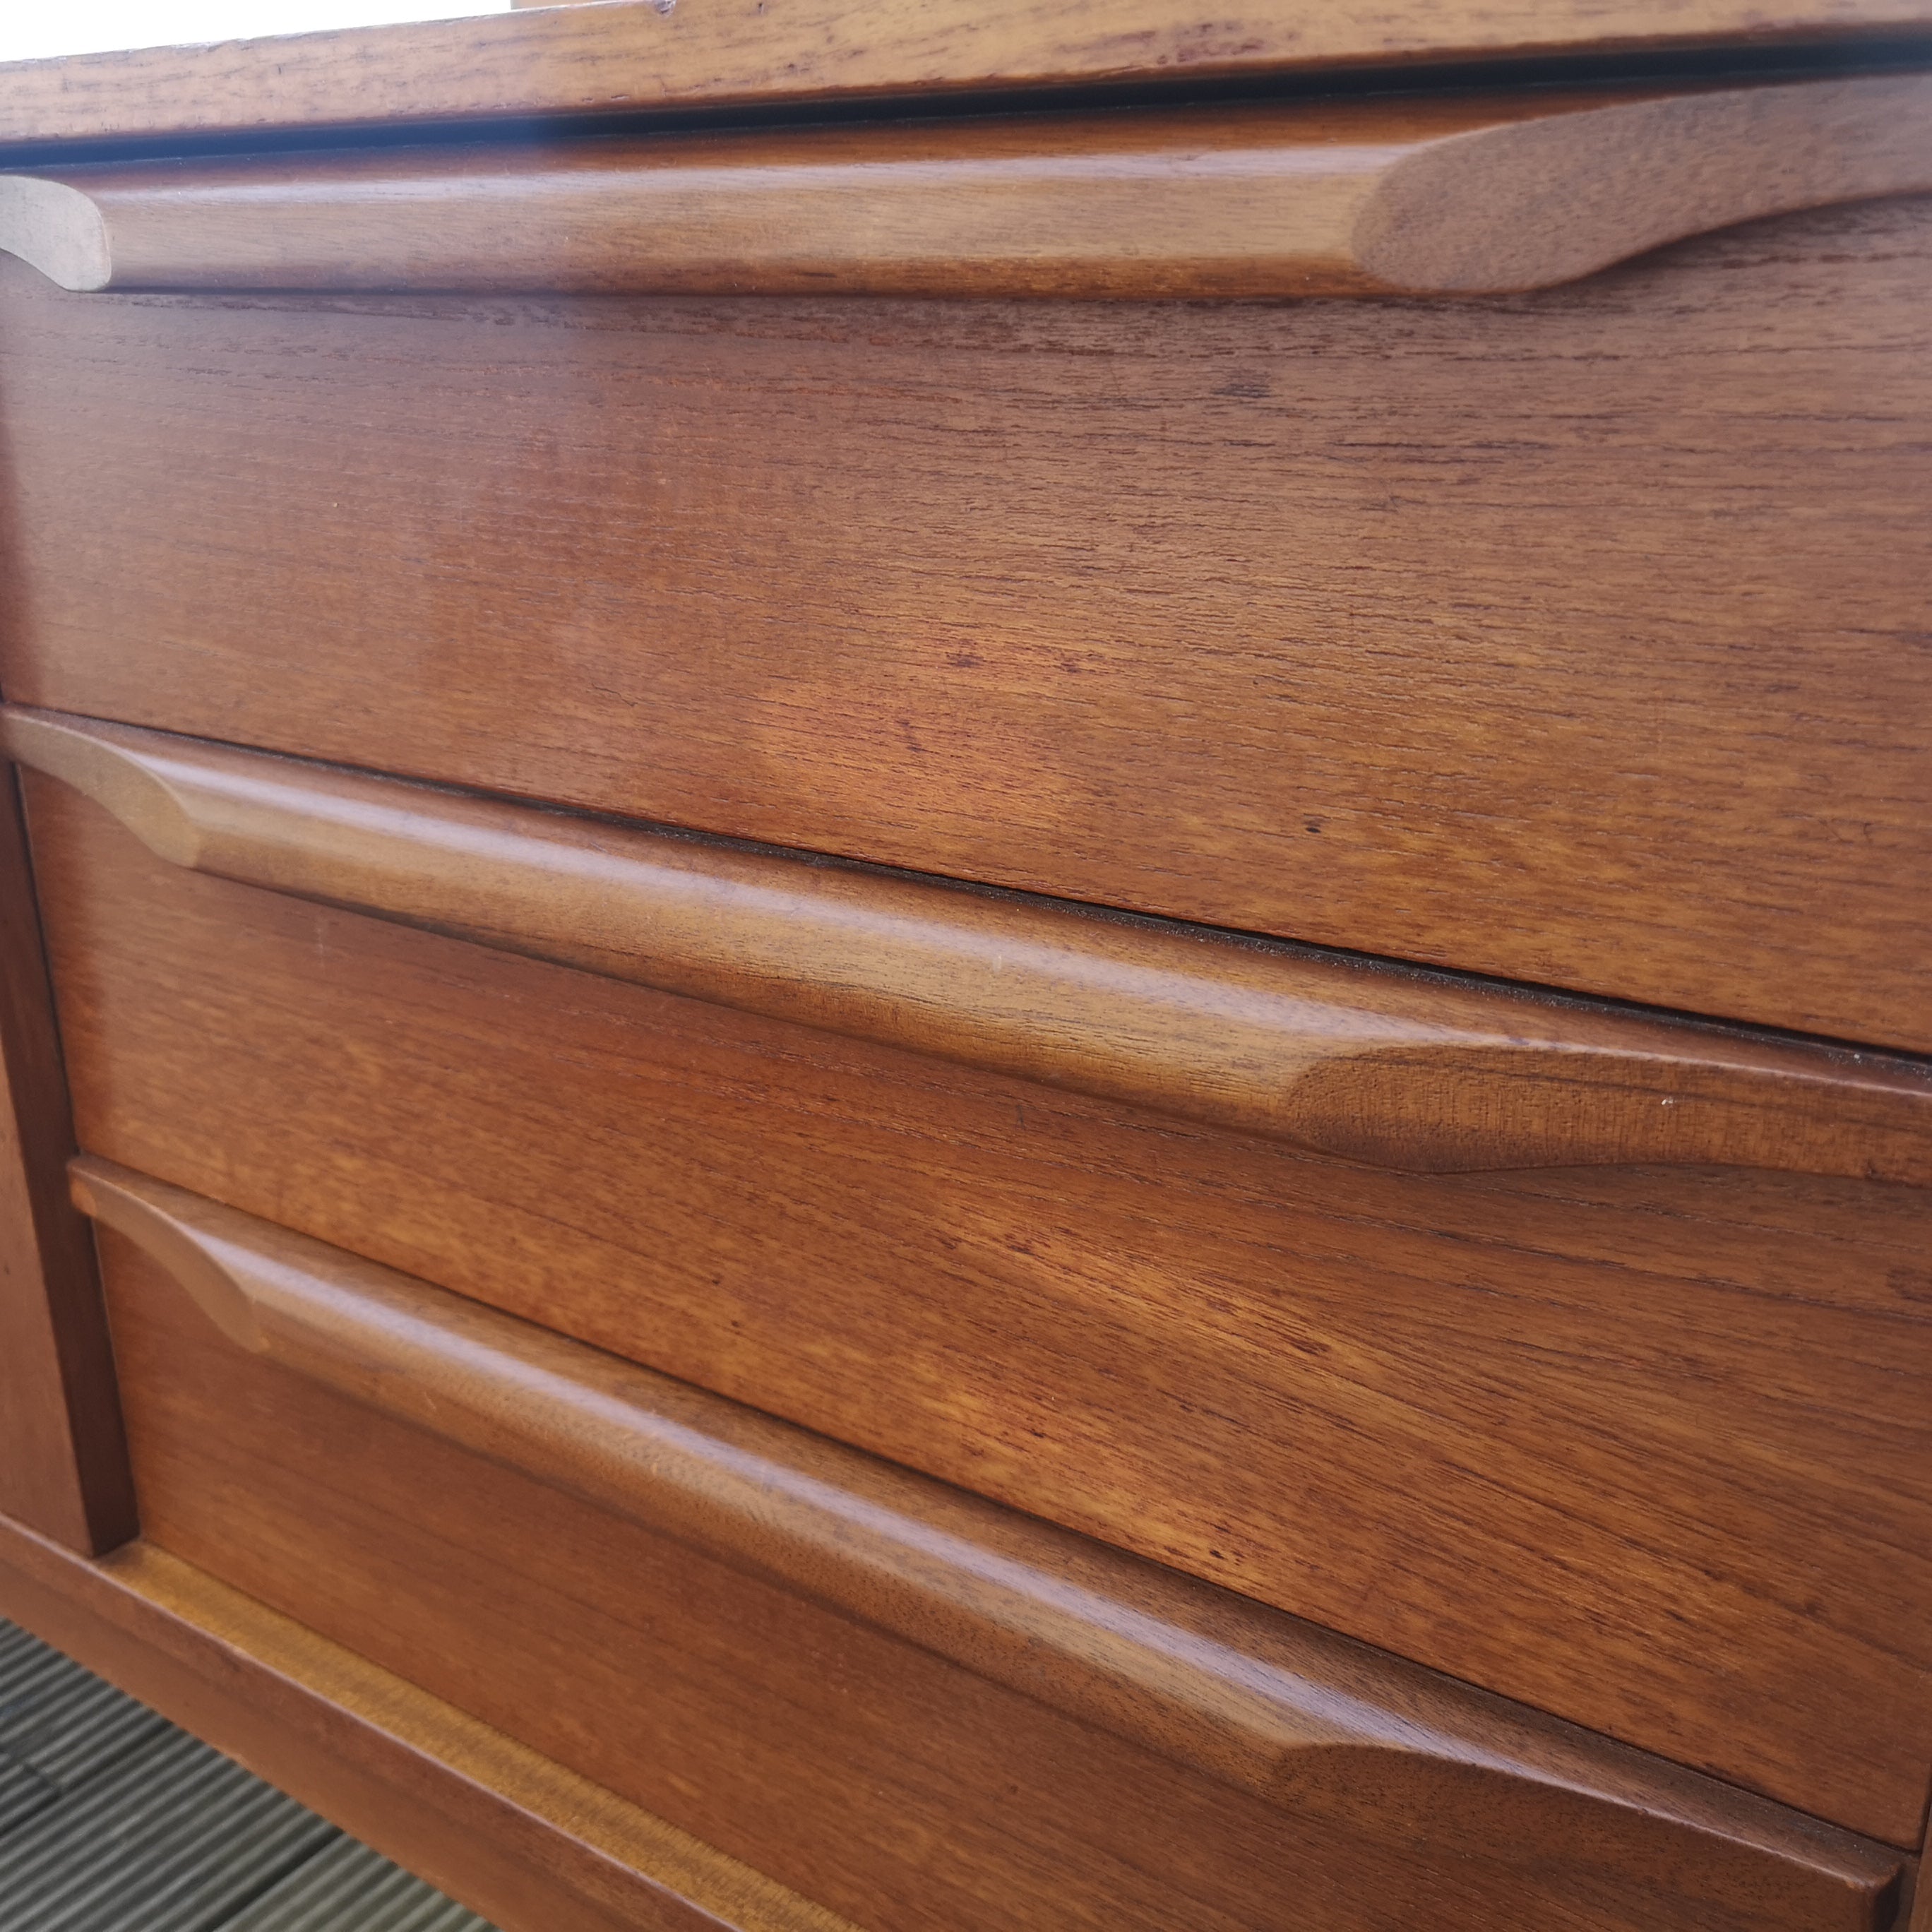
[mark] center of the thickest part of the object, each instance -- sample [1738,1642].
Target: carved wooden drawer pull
[1457,194]
[1372,1063]
[1253,1698]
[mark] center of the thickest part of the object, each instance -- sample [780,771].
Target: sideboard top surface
[632,56]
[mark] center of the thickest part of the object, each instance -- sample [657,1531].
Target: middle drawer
[1639,1446]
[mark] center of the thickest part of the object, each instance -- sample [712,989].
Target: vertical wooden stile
[63,1458]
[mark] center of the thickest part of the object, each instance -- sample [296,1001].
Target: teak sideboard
[965,969]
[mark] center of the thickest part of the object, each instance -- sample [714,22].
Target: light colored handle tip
[57,230]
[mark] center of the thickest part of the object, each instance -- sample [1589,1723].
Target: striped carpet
[112,1820]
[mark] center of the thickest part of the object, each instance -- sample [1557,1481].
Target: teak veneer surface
[1336,1054]
[574,61]
[1574,638]
[915,1793]
[534,1847]
[1453,194]
[1641,1448]
[1323,1728]
[63,1459]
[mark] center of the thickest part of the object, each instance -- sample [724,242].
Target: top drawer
[1576,637]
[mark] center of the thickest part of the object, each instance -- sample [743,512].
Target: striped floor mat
[112,1820]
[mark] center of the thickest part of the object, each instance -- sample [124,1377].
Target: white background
[30,29]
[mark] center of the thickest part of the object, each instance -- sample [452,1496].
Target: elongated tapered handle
[1453,195]
[1298,1716]
[1371,1062]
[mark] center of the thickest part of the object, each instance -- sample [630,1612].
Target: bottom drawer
[916,1707]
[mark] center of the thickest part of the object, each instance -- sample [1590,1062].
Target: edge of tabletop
[629,57]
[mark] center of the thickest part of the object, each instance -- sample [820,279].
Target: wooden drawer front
[976,1721]
[1574,638]
[1641,1447]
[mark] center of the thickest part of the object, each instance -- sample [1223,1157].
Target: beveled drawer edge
[1305,1719]
[1420,195]
[1370,1062]
[532,1844]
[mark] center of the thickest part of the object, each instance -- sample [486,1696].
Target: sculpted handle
[1455,194]
[1370,1062]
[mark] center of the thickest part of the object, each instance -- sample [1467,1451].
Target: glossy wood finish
[566,60]
[63,1460]
[1644,1448]
[1445,195]
[1319,1726]
[535,1847]
[1348,622]
[1574,639]
[1337,1056]
[700,1687]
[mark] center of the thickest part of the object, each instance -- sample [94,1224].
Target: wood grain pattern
[1355,623]
[1338,1056]
[1642,1447]
[702,1687]
[1456,194]
[63,1458]
[535,1847]
[1318,1726]
[566,61]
